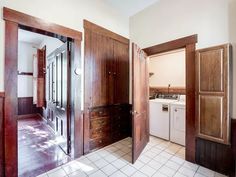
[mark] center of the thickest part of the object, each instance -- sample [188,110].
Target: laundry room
[167,78]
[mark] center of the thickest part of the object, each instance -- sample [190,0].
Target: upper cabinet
[106,90]
[106,67]
[213,89]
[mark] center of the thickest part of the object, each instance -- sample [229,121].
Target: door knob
[134,112]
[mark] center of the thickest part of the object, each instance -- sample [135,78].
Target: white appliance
[178,122]
[159,113]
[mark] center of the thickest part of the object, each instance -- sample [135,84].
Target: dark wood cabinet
[108,125]
[213,89]
[107,110]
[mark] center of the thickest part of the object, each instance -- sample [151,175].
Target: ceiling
[131,7]
[30,37]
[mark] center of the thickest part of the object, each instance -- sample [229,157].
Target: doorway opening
[189,44]
[14,21]
[167,104]
[43,134]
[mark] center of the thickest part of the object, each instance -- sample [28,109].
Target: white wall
[168,68]
[25,64]
[68,13]
[51,44]
[213,20]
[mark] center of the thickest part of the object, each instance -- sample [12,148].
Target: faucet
[168,89]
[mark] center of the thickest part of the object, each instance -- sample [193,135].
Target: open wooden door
[41,68]
[140,90]
[58,99]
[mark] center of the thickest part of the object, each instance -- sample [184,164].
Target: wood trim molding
[189,43]
[2,94]
[100,30]
[172,45]
[172,90]
[33,22]
[25,73]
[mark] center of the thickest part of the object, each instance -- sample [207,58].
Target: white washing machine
[159,114]
[178,122]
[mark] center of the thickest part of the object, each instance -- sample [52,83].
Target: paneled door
[58,95]
[213,89]
[140,98]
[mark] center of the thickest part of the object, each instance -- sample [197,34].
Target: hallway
[38,151]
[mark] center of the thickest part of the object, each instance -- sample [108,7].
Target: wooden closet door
[121,72]
[101,69]
[140,90]
[212,88]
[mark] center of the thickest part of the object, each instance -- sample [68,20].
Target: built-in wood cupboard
[107,109]
[213,89]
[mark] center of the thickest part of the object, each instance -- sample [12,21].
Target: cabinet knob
[114,73]
[109,72]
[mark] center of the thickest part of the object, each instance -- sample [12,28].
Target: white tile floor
[159,159]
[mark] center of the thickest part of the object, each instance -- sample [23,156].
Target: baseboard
[26,116]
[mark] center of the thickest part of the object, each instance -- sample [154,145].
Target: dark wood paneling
[215,156]
[1,134]
[102,31]
[233,140]
[39,24]
[172,45]
[26,106]
[171,90]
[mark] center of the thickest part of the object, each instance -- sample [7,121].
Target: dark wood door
[212,88]
[102,61]
[121,73]
[140,90]
[58,94]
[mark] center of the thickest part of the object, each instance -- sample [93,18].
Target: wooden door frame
[13,21]
[189,43]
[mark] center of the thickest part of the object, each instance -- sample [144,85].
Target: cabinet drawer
[98,143]
[99,123]
[99,112]
[120,110]
[100,132]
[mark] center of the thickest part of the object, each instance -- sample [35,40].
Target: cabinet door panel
[102,51]
[212,89]
[121,72]
[211,70]
[211,116]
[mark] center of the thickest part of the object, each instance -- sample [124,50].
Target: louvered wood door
[140,90]
[212,89]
